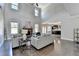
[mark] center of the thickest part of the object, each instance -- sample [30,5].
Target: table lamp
[24,32]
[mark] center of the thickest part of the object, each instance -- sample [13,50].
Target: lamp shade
[24,31]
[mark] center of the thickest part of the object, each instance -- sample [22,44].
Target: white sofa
[41,41]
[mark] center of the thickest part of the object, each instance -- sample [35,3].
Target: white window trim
[14,27]
[36,12]
[14,6]
[36,28]
[44,29]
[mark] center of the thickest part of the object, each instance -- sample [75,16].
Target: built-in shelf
[76,35]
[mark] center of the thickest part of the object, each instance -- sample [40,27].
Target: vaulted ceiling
[72,8]
[52,12]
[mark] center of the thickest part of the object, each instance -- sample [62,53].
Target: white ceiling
[53,11]
[72,8]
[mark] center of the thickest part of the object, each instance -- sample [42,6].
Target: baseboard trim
[66,39]
[18,46]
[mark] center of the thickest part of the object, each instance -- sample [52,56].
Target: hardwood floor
[60,48]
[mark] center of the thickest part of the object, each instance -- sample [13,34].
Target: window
[14,6]
[36,27]
[44,29]
[49,28]
[36,12]
[14,28]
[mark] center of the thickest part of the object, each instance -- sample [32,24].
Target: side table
[24,42]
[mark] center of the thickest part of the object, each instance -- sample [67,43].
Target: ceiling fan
[36,4]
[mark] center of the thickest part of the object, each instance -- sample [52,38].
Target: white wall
[24,14]
[68,26]
[1,28]
[70,22]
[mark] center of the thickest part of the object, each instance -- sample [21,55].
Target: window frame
[16,5]
[44,29]
[48,28]
[36,28]
[36,12]
[17,27]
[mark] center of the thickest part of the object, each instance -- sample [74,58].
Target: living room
[48,28]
